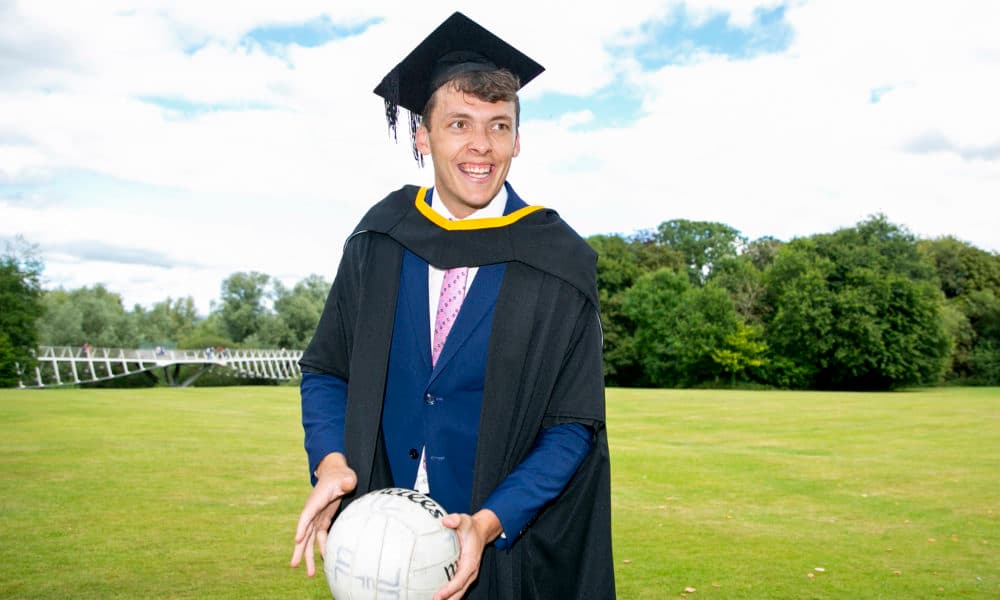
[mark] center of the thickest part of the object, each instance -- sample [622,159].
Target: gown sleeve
[576,414]
[539,478]
[326,361]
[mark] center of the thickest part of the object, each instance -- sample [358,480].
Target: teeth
[472,170]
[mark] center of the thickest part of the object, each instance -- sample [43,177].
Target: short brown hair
[489,86]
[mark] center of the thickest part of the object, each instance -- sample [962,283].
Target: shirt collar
[495,208]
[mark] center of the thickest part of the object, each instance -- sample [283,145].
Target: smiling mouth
[476,171]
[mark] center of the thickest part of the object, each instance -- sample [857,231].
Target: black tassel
[391,116]
[414,124]
[392,101]
[391,98]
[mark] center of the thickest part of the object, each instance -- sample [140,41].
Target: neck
[458,210]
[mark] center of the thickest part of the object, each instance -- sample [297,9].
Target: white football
[390,543]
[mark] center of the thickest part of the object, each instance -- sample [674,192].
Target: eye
[459,124]
[501,126]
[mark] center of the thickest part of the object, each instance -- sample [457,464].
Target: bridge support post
[204,369]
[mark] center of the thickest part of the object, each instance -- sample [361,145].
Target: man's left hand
[474,532]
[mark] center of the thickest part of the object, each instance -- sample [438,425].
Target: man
[459,352]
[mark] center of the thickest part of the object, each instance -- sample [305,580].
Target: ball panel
[390,544]
[341,552]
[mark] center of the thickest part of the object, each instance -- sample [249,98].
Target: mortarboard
[459,45]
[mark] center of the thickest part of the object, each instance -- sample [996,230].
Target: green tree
[166,323]
[982,309]
[620,262]
[678,326]
[744,351]
[961,267]
[970,280]
[702,244]
[300,308]
[856,309]
[963,340]
[88,315]
[11,369]
[743,277]
[762,251]
[242,304]
[208,332]
[745,283]
[272,332]
[20,308]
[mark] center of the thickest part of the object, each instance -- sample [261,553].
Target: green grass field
[194,493]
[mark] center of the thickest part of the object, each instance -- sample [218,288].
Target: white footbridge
[65,365]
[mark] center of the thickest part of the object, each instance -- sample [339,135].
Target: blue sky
[680,38]
[223,142]
[313,32]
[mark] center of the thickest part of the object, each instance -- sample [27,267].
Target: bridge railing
[69,365]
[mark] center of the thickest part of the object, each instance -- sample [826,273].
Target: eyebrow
[463,115]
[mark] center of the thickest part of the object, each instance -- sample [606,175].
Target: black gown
[544,368]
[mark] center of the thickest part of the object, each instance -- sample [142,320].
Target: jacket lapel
[480,299]
[413,292]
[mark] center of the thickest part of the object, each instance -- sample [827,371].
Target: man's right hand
[334,480]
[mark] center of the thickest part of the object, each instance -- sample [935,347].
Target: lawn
[194,493]
[806,495]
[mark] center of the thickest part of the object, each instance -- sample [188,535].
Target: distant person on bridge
[459,352]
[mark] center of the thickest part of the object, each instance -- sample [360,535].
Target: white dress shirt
[435,277]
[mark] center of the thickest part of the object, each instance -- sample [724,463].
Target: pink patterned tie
[449,303]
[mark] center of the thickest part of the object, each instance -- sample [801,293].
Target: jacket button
[414,454]
[430,400]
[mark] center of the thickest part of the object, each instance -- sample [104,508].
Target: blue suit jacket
[439,408]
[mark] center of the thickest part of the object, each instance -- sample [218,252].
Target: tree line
[867,307]
[254,310]
[689,303]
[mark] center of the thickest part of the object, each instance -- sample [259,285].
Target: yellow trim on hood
[469,224]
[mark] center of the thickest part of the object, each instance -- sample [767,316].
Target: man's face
[472,143]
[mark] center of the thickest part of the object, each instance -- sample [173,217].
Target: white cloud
[790,144]
[783,144]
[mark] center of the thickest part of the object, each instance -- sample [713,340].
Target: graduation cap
[459,45]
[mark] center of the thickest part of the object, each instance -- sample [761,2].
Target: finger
[468,570]
[310,555]
[321,540]
[454,590]
[325,519]
[296,556]
[448,591]
[302,527]
[460,593]
[300,547]
[314,507]
[468,581]
[314,504]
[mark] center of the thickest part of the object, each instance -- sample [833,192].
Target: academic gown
[543,368]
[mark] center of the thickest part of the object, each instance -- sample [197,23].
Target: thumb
[451,521]
[348,483]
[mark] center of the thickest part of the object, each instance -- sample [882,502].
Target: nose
[480,140]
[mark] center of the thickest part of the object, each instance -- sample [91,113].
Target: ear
[517,144]
[423,140]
